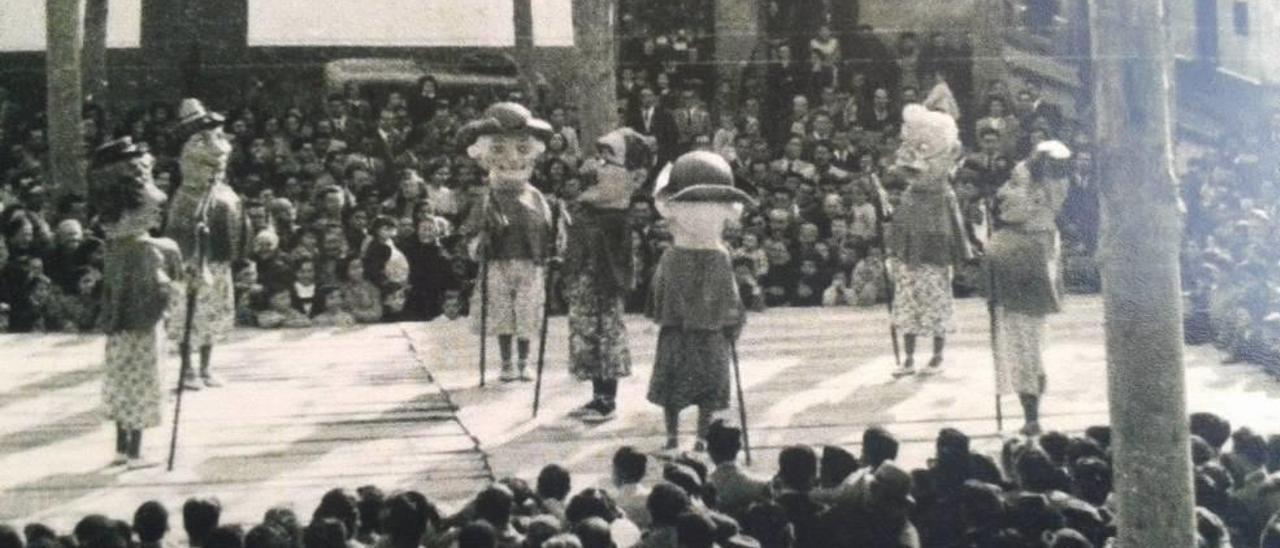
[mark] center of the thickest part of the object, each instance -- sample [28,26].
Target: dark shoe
[210,380]
[602,412]
[587,408]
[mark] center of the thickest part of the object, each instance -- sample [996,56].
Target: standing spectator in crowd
[1024,262]
[654,120]
[430,275]
[927,237]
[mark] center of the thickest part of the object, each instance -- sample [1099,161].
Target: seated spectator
[629,493]
[736,489]
[878,515]
[334,311]
[266,536]
[797,476]
[554,484]
[151,524]
[225,536]
[666,504]
[280,312]
[199,519]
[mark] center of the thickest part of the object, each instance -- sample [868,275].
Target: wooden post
[64,32]
[95,51]
[1141,235]
[595,82]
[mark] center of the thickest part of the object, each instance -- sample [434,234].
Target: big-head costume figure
[694,295]
[510,226]
[599,266]
[927,237]
[1023,258]
[204,199]
[137,287]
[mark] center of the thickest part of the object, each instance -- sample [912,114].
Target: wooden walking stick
[992,299]
[546,309]
[184,347]
[882,216]
[484,282]
[742,403]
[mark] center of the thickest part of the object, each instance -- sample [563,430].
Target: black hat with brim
[700,176]
[117,150]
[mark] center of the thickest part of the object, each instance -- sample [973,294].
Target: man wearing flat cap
[510,229]
[204,199]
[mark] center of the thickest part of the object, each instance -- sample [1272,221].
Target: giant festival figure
[204,199]
[510,230]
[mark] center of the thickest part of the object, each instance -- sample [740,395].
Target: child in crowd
[334,310]
[303,291]
[748,284]
[868,281]
[452,308]
[862,221]
[361,297]
[839,293]
[811,284]
[249,293]
[384,263]
[281,313]
[393,298]
[750,249]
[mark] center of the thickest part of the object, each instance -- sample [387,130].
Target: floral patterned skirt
[598,347]
[131,388]
[922,299]
[215,309]
[1019,356]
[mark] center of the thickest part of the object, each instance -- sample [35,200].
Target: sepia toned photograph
[639,273]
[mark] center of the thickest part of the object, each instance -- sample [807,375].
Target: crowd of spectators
[1053,491]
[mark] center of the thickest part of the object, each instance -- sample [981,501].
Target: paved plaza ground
[398,406]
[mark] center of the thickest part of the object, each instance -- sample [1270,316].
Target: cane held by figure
[194,279]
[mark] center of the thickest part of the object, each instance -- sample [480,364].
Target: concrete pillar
[1141,235]
[595,82]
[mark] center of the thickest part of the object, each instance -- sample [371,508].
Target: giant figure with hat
[137,287]
[1023,258]
[205,203]
[510,230]
[694,298]
[926,239]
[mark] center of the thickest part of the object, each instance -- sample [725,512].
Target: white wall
[1256,55]
[418,23]
[918,16]
[22,24]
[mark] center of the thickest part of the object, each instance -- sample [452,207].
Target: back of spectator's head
[1214,429]
[952,445]
[695,530]
[9,537]
[91,527]
[1067,538]
[404,519]
[521,493]
[878,445]
[1201,451]
[981,505]
[266,536]
[494,505]
[1250,445]
[594,532]
[39,532]
[151,521]
[1032,514]
[694,464]
[369,507]
[1055,445]
[767,522]
[1213,532]
[1035,471]
[326,533]
[342,505]
[1092,477]
[629,465]
[891,486]
[539,529]
[1100,434]
[798,467]
[225,536]
[565,540]
[1080,447]
[666,502]
[589,503]
[837,464]
[286,520]
[554,482]
[723,442]
[477,534]
[683,476]
[1271,533]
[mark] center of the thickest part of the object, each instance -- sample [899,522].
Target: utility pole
[1141,235]
[64,30]
[988,46]
[595,82]
[737,35]
[95,50]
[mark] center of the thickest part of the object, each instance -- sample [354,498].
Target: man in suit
[981,165]
[881,115]
[791,161]
[736,489]
[1038,107]
[843,154]
[652,120]
[691,120]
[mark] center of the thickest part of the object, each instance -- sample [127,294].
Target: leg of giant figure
[522,351]
[1031,410]
[672,417]
[206,361]
[504,348]
[908,365]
